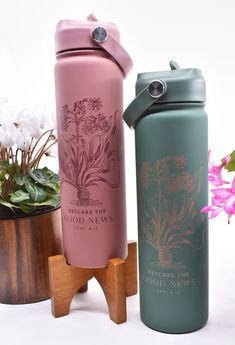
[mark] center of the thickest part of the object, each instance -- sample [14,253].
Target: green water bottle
[171,166]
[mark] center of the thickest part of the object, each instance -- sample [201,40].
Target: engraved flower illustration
[162,166]
[169,222]
[79,107]
[102,123]
[180,162]
[93,124]
[87,157]
[89,126]
[145,175]
[180,183]
[64,118]
[95,104]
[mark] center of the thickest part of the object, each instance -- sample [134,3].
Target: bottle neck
[77,52]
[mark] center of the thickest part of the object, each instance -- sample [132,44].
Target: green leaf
[53,201]
[9,168]
[231,165]
[27,208]
[19,196]
[8,204]
[53,177]
[19,178]
[2,174]
[5,163]
[45,177]
[39,176]
[57,187]
[36,193]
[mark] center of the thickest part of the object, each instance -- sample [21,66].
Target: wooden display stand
[118,281]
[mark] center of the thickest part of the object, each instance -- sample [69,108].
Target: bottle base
[167,331]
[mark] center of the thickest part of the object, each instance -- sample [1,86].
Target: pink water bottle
[91,65]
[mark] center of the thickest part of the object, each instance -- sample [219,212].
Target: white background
[198,33]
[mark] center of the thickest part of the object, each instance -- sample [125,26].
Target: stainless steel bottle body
[172,187]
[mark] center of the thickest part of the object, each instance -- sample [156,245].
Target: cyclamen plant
[24,139]
[223,198]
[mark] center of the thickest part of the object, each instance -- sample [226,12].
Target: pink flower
[223,200]
[214,173]
[226,160]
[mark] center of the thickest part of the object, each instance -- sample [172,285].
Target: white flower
[8,134]
[27,125]
[31,122]
[2,135]
[48,119]
[23,138]
[36,119]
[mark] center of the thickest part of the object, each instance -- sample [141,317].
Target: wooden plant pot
[25,245]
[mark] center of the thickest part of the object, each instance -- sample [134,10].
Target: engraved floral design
[162,166]
[145,175]
[86,155]
[79,107]
[180,162]
[183,182]
[95,104]
[169,217]
[95,123]
[65,118]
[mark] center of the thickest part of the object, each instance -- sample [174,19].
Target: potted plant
[30,229]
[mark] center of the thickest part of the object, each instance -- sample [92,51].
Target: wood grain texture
[117,280]
[25,244]
[65,281]
[131,269]
[112,281]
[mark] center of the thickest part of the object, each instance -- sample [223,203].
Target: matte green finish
[172,187]
[182,85]
[185,85]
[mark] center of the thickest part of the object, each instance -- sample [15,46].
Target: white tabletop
[89,322]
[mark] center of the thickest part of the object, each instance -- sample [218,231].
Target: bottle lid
[92,34]
[174,86]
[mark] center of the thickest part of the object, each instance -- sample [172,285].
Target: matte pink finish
[77,34]
[89,100]
[74,34]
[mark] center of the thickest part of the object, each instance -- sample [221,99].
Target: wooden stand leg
[131,269]
[112,281]
[65,281]
[118,280]
[84,288]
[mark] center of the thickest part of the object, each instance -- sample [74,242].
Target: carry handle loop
[104,39]
[150,94]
